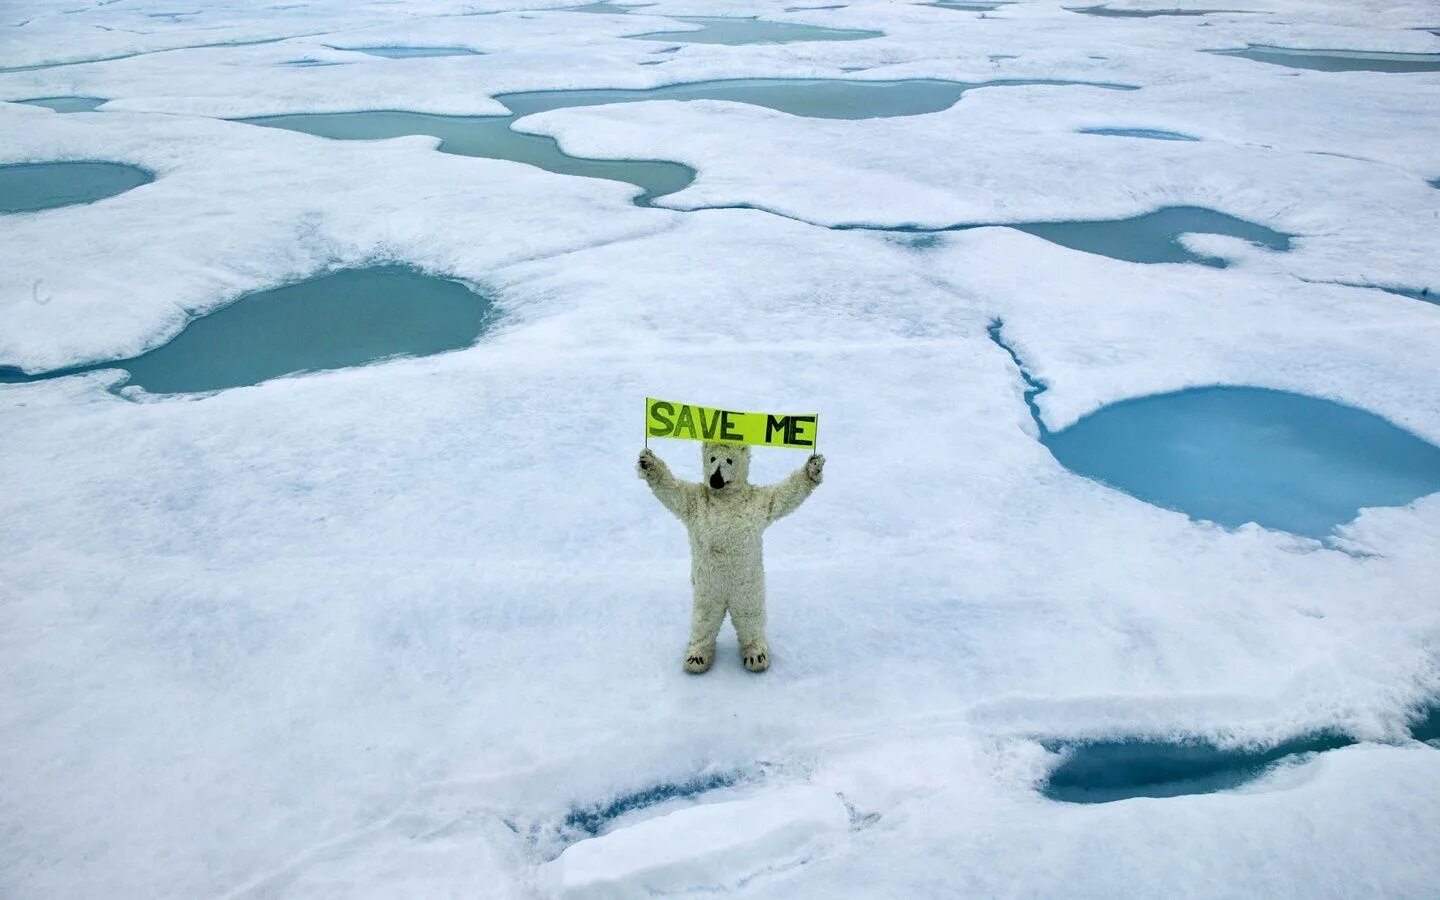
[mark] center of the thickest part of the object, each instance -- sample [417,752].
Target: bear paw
[815,468]
[648,465]
[699,659]
[756,657]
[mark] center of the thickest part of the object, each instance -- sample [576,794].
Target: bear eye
[712,459]
[730,461]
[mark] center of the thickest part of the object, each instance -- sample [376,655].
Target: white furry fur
[726,516]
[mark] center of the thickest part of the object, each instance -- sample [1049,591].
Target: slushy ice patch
[411,52]
[737,30]
[1338,60]
[603,8]
[1153,134]
[1234,455]
[961,6]
[1107,12]
[66,104]
[29,187]
[349,318]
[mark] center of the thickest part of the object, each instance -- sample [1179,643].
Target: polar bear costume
[726,516]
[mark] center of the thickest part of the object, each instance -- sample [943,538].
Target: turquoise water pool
[1154,237]
[30,187]
[348,318]
[1241,454]
[1235,455]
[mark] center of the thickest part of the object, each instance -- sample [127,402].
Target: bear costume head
[724,465]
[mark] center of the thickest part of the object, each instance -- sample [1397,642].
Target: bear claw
[756,661]
[696,663]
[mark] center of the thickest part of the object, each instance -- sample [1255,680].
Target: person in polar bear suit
[726,516]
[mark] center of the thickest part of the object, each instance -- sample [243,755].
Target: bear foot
[756,657]
[698,659]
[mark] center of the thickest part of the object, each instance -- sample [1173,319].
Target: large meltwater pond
[492,137]
[30,187]
[1234,455]
[348,318]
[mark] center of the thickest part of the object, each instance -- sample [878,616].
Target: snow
[383,631]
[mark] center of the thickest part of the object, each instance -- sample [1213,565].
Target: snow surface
[383,631]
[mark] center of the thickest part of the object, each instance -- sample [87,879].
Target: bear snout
[717,481]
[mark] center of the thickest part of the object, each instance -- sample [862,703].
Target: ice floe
[413,629]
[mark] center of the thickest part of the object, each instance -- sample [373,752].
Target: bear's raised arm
[786,496]
[675,495]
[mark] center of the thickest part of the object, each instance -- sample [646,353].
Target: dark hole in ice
[492,137]
[28,187]
[1338,60]
[348,318]
[591,820]
[1153,134]
[737,30]
[1234,455]
[1427,724]
[412,52]
[67,104]
[1105,771]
